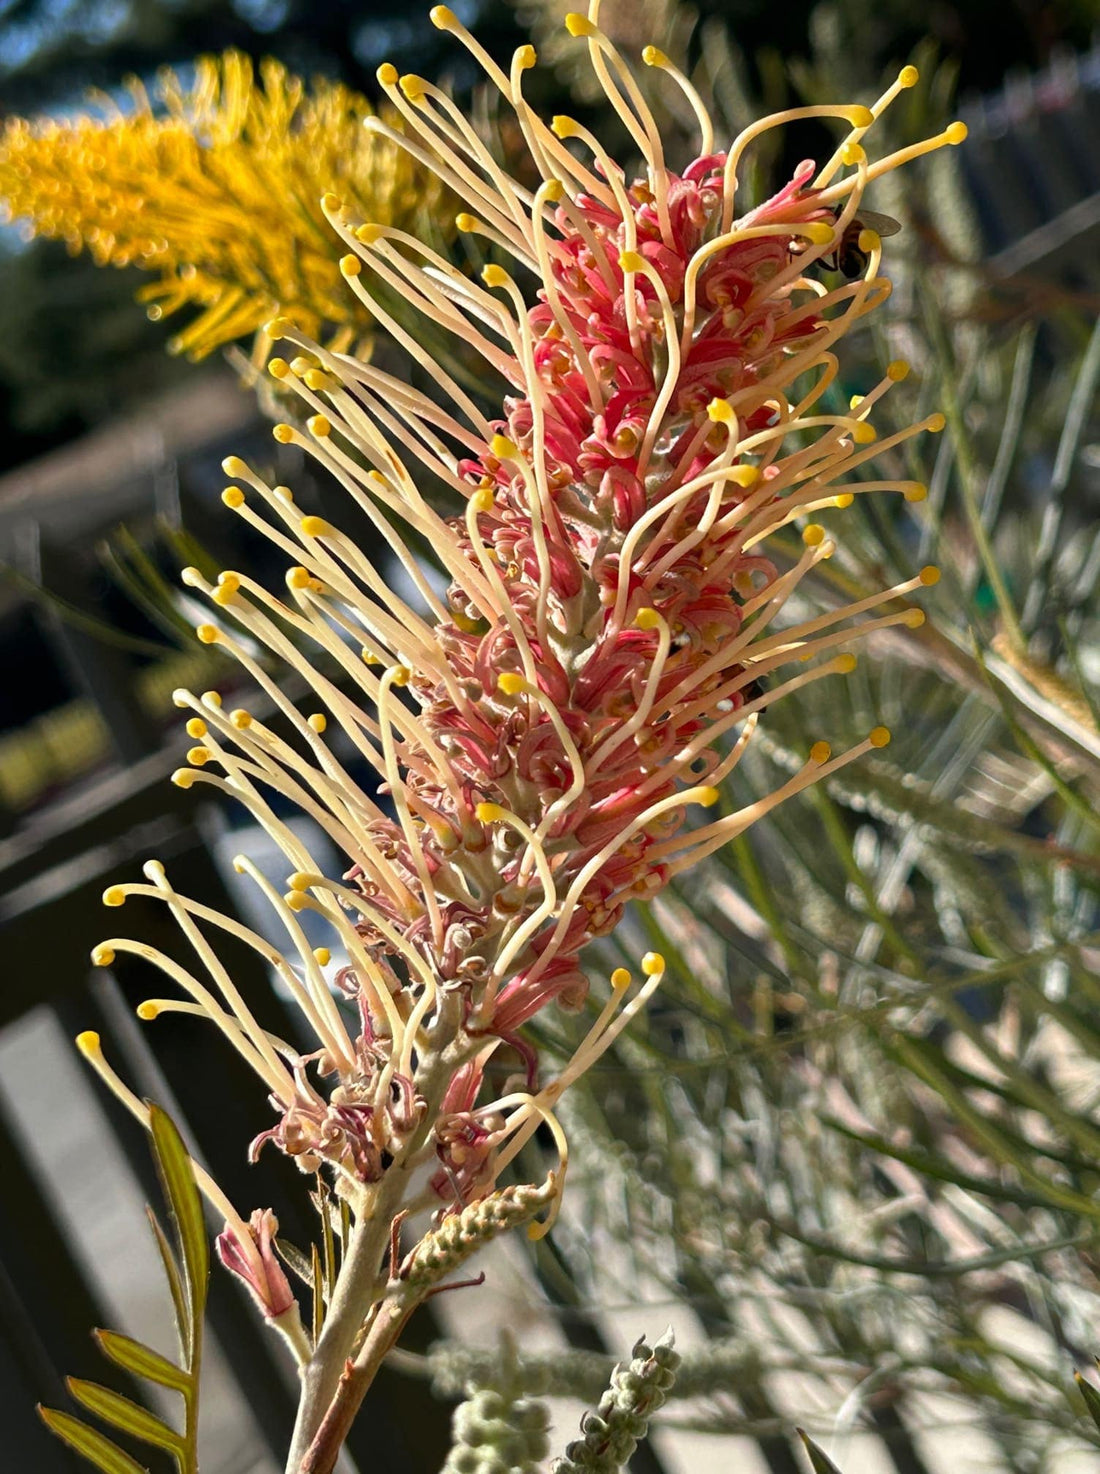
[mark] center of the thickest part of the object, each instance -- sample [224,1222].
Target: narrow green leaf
[1091,1396]
[172,1274]
[295,1261]
[90,1444]
[143,1361]
[819,1459]
[328,1248]
[125,1415]
[318,1295]
[174,1166]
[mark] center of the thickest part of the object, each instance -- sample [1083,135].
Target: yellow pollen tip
[233,497]
[277,327]
[413,86]
[318,722]
[564,126]
[553,190]
[653,56]
[744,476]
[301,880]
[652,964]
[859,117]
[869,240]
[315,527]
[955,133]
[719,411]
[301,364]
[844,499]
[852,153]
[147,1011]
[88,1042]
[368,657]
[503,448]
[320,426]
[387,74]
[211,698]
[897,370]
[298,578]
[284,434]
[708,796]
[936,423]
[916,492]
[817,232]
[631,261]
[879,736]
[296,901]
[466,223]
[229,580]
[526,57]
[820,753]
[278,368]
[579,25]
[863,433]
[489,813]
[241,719]
[813,535]
[322,955]
[620,980]
[234,466]
[908,77]
[495,276]
[511,683]
[317,380]
[929,575]
[196,728]
[198,755]
[208,634]
[647,619]
[331,203]
[103,956]
[350,265]
[845,664]
[183,777]
[914,618]
[114,895]
[367,233]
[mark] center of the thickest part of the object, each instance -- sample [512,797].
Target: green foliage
[186,1267]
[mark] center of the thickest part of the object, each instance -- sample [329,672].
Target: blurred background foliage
[859,1135]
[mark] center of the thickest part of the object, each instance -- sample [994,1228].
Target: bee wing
[882,225]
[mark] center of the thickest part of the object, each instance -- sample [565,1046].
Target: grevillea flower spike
[550,732]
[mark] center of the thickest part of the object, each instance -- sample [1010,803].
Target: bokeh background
[907,957]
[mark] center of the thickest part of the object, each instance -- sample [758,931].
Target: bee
[847,256]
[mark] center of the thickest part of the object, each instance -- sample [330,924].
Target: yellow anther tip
[103,956]
[653,56]
[579,25]
[820,753]
[503,448]
[908,77]
[241,719]
[495,276]
[317,722]
[197,756]
[88,1042]
[860,117]
[916,493]
[466,223]
[647,618]
[719,411]
[331,203]
[296,900]
[631,261]
[350,265]
[211,698]
[319,425]
[315,527]
[707,796]
[387,74]
[863,433]
[843,499]
[553,189]
[956,132]
[413,86]
[367,233]
[322,955]
[652,964]
[301,880]
[845,664]
[526,57]
[278,368]
[929,575]
[745,476]
[818,232]
[852,153]
[234,466]
[511,683]
[196,728]
[936,423]
[914,618]
[486,813]
[482,501]
[233,497]
[564,126]
[284,434]
[297,578]
[442,16]
[208,634]
[620,979]
[869,240]
[183,777]
[879,736]
[147,1011]
[114,895]
[813,535]
[897,370]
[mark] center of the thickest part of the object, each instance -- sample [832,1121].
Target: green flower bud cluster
[495,1433]
[612,1433]
[440,1252]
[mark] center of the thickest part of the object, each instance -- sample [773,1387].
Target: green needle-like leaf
[819,1459]
[174,1165]
[97,1449]
[124,1414]
[143,1361]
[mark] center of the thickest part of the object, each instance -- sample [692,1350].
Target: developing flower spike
[549,734]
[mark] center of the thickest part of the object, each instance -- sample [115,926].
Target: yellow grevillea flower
[217,193]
